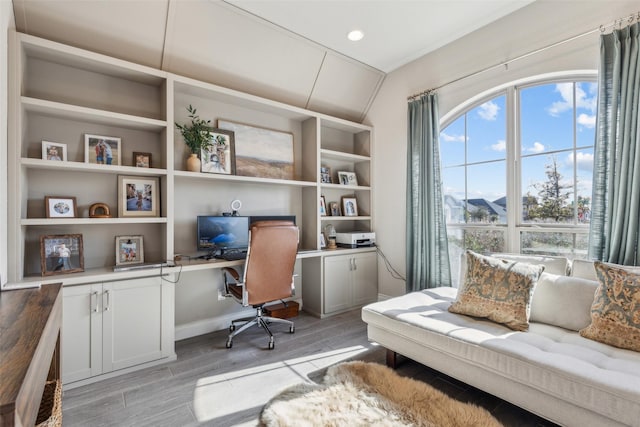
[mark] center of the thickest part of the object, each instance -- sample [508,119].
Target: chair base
[260,320]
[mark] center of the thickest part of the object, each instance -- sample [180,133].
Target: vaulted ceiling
[290,51]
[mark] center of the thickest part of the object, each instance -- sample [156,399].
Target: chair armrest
[226,272]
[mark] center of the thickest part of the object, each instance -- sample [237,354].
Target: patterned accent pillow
[615,312]
[498,290]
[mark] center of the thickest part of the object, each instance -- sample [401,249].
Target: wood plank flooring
[210,385]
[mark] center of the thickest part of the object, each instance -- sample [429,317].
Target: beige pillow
[615,313]
[498,290]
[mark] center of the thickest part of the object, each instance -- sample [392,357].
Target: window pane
[486,192]
[452,140]
[584,174]
[586,101]
[547,189]
[486,131]
[454,194]
[571,245]
[481,241]
[546,118]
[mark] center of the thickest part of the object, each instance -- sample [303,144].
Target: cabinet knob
[95,297]
[108,294]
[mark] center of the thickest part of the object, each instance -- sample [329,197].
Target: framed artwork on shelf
[323,206]
[61,254]
[101,150]
[349,206]
[334,209]
[220,156]
[138,196]
[129,250]
[261,152]
[141,160]
[325,175]
[60,207]
[54,151]
[323,241]
[347,178]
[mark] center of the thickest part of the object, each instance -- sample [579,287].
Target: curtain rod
[601,28]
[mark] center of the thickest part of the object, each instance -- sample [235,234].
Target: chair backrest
[268,274]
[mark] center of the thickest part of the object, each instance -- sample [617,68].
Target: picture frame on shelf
[220,156]
[102,150]
[347,178]
[261,152]
[61,254]
[334,209]
[325,175]
[323,241]
[138,196]
[349,206]
[54,151]
[60,207]
[129,250]
[141,160]
[323,206]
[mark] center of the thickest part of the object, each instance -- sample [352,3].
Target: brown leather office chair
[268,274]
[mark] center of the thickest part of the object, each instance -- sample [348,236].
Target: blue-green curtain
[615,208]
[427,249]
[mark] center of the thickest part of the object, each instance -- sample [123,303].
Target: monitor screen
[256,218]
[222,232]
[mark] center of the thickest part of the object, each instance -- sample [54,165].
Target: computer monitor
[222,232]
[256,218]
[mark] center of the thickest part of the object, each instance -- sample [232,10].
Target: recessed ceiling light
[355,35]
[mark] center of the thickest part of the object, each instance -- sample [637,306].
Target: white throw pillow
[584,269]
[563,301]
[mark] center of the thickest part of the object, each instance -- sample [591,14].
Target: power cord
[171,281]
[394,273]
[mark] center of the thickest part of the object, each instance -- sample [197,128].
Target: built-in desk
[30,321]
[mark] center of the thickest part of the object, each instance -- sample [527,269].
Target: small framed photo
[325,175]
[323,241]
[323,206]
[349,206]
[101,150]
[141,160]
[129,250]
[54,151]
[61,254]
[60,207]
[347,178]
[220,156]
[138,196]
[334,209]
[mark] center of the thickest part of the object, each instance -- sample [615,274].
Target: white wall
[7,22]
[533,27]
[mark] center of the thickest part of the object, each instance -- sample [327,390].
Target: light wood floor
[210,385]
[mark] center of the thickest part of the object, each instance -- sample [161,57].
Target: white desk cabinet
[115,325]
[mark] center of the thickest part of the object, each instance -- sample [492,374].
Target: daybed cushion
[615,313]
[498,290]
[553,360]
[584,269]
[563,301]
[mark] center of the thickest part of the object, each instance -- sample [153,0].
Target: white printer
[356,239]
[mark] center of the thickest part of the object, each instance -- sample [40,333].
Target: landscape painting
[260,152]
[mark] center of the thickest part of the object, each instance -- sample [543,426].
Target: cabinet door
[365,278]
[81,332]
[132,322]
[337,283]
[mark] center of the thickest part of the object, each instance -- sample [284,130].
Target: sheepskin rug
[370,394]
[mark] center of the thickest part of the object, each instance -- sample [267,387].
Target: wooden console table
[30,321]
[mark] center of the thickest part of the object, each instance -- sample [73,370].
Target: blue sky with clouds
[547,129]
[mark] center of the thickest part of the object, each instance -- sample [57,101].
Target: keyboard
[232,256]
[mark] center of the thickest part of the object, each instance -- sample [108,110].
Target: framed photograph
[219,157]
[323,241]
[347,178]
[141,160]
[54,151]
[349,206]
[325,175]
[323,206]
[138,196]
[101,150]
[334,209]
[61,254]
[60,207]
[129,250]
[261,152]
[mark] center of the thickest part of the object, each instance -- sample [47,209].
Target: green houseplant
[197,133]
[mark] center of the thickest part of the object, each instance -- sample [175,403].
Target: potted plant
[197,136]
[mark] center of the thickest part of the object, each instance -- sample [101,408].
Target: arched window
[517,168]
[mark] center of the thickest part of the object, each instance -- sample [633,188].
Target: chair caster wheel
[229,344]
[232,328]
[272,344]
[292,329]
